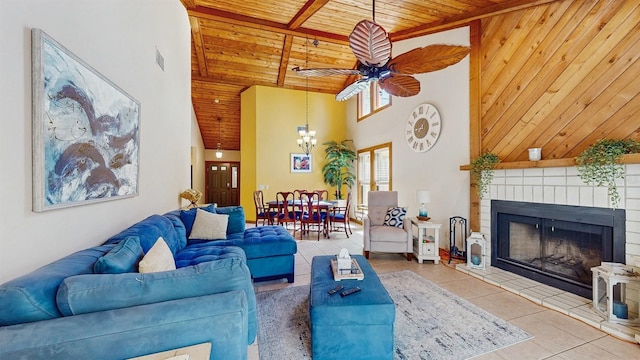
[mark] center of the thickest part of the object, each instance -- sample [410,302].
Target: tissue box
[344,263]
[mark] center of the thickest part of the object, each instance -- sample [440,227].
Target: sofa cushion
[149,230]
[189,216]
[178,225]
[32,297]
[209,226]
[90,293]
[124,257]
[236,218]
[206,251]
[257,242]
[395,216]
[159,258]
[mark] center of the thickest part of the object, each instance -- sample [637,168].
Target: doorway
[222,183]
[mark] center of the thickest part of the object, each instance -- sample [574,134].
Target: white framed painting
[86,131]
[300,163]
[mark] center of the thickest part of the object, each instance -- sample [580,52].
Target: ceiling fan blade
[400,85]
[325,72]
[352,89]
[427,59]
[370,43]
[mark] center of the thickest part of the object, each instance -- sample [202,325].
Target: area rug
[431,322]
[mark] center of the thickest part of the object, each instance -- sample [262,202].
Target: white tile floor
[562,324]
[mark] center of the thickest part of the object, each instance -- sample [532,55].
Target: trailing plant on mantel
[481,171]
[598,165]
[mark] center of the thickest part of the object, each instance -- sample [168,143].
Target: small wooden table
[425,247]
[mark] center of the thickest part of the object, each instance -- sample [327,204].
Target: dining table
[322,204]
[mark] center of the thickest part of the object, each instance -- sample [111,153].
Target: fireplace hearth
[556,244]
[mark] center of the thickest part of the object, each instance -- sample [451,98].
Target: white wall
[119,39]
[437,169]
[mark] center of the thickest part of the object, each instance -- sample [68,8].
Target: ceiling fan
[372,47]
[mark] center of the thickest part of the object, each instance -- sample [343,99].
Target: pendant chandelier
[219,151]
[307,140]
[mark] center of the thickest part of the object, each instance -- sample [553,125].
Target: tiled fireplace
[563,186]
[556,244]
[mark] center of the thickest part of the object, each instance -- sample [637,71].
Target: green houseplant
[339,159]
[481,171]
[598,164]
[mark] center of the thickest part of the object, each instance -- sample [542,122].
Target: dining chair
[263,213]
[313,213]
[286,214]
[297,205]
[324,194]
[340,215]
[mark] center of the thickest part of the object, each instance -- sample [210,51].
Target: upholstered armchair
[383,238]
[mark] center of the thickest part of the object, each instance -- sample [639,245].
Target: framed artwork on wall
[300,163]
[86,134]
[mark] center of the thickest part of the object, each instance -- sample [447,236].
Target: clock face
[423,128]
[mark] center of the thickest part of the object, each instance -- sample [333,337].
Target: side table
[425,247]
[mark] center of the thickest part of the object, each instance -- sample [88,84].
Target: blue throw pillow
[189,216]
[236,218]
[395,216]
[123,258]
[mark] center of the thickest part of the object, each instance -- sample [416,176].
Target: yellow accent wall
[269,119]
[248,144]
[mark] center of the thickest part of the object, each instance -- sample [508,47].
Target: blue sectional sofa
[93,303]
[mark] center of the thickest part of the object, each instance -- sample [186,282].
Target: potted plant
[339,162]
[481,171]
[598,164]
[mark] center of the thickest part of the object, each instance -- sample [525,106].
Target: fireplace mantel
[626,159]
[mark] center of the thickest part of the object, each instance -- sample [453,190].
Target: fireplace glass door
[561,249]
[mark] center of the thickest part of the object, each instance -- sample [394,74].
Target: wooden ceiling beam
[251,22]
[284,61]
[310,8]
[466,18]
[198,45]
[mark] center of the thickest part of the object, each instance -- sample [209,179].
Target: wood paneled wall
[558,76]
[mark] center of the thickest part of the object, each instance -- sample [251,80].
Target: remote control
[335,290]
[350,291]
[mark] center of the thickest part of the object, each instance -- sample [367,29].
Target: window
[374,170]
[371,100]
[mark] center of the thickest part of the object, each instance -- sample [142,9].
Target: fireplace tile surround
[563,186]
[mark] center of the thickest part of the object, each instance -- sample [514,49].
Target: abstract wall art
[300,163]
[86,133]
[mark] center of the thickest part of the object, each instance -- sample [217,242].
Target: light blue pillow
[123,258]
[395,216]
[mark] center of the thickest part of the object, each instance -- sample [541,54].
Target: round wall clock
[423,128]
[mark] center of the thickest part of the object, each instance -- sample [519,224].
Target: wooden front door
[223,183]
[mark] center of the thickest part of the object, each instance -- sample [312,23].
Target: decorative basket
[423,218]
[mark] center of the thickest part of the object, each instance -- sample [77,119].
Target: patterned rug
[431,322]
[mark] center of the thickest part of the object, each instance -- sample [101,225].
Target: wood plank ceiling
[238,44]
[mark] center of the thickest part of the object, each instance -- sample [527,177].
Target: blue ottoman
[358,326]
